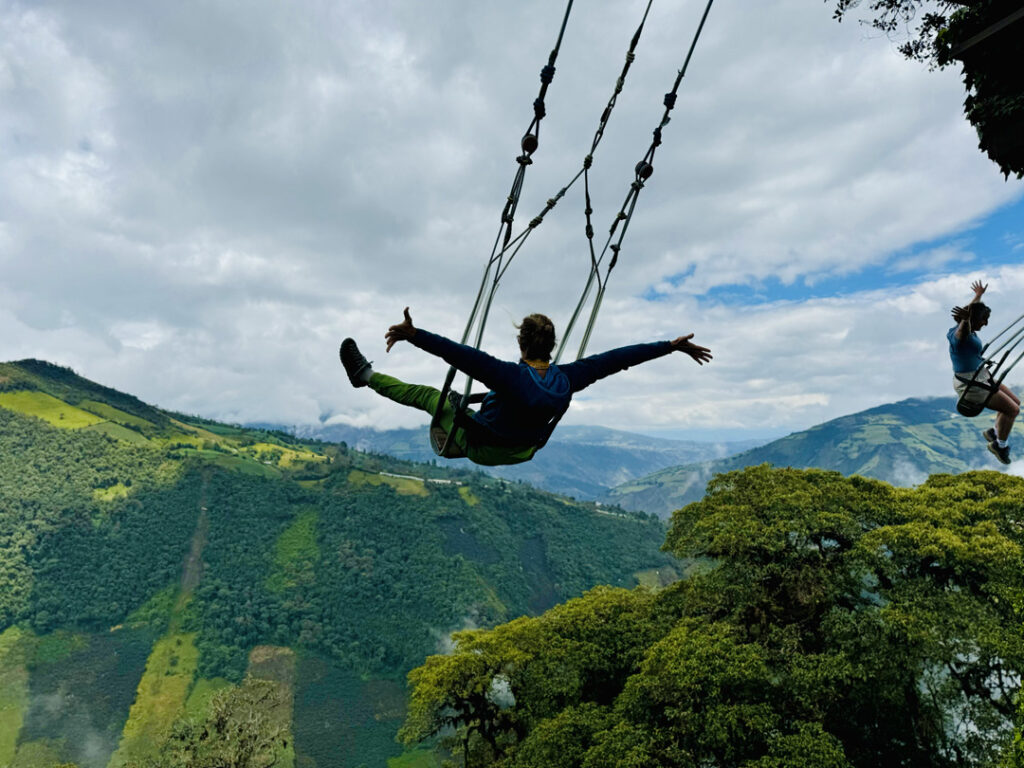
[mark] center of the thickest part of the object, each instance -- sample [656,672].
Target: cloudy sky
[198,200]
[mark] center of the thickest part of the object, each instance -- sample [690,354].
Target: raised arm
[587,370]
[962,315]
[490,371]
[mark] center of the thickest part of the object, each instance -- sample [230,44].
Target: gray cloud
[197,202]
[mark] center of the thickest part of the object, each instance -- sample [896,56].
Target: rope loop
[547,74]
[524,160]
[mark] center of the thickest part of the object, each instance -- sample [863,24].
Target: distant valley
[579,461]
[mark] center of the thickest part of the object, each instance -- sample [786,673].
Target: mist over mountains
[584,462]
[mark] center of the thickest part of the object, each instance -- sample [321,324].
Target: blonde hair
[536,337]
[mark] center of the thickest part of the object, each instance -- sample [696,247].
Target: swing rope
[643,171]
[503,254]
[443,443]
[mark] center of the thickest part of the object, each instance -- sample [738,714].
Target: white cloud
[197,203]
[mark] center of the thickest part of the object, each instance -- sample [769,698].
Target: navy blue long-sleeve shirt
[523,406]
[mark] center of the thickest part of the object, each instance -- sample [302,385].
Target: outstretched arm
[587,370]
[962,315]
[491,372]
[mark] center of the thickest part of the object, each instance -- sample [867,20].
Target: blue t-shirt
[965,353]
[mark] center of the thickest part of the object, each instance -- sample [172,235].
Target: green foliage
[991,67]
[844,623]
[241,731]
[104,540]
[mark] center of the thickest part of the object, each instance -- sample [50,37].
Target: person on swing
[965,352]
[526,399]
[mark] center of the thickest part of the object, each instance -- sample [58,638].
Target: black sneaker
[1003,454]
[353,361]
[990,435]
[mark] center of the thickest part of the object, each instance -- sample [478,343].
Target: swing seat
[439,442]
[971,407]
[968,409]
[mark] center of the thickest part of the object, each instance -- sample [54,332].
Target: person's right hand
[978,288]
[683,344]
[404,331]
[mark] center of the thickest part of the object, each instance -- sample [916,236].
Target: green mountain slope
[195,551]
[901,443]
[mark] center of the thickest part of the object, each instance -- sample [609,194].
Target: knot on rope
[547,74]
[535,221]
[529,145]
[657,136]
[588,161]
[670,100]
[620,216]
[552,202]
[590,231]
[524,160]
[644,170]
[630,57]
[538,108]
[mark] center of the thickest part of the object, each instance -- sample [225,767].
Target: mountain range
[901,443]
[584,462]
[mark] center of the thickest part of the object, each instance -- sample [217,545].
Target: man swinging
[526,399]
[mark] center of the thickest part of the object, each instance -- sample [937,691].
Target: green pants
[425,398]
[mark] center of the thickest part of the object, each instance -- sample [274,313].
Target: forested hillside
[150,563]
[901,443]
[838,623]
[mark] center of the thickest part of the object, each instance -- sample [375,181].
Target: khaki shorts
[977,392]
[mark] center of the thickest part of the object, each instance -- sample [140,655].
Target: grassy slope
[161,697]
[14,657]
[296,553]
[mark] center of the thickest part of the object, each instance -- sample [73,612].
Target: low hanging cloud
[197,202]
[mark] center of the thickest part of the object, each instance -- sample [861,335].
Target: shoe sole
[994,450]
[353,376]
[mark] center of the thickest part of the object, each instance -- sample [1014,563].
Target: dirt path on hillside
[192,570]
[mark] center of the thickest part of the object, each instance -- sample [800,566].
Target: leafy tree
[241,731]
[842,622]
[944,31]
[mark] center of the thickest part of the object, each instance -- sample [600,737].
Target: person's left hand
[404,331]
[683,344]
